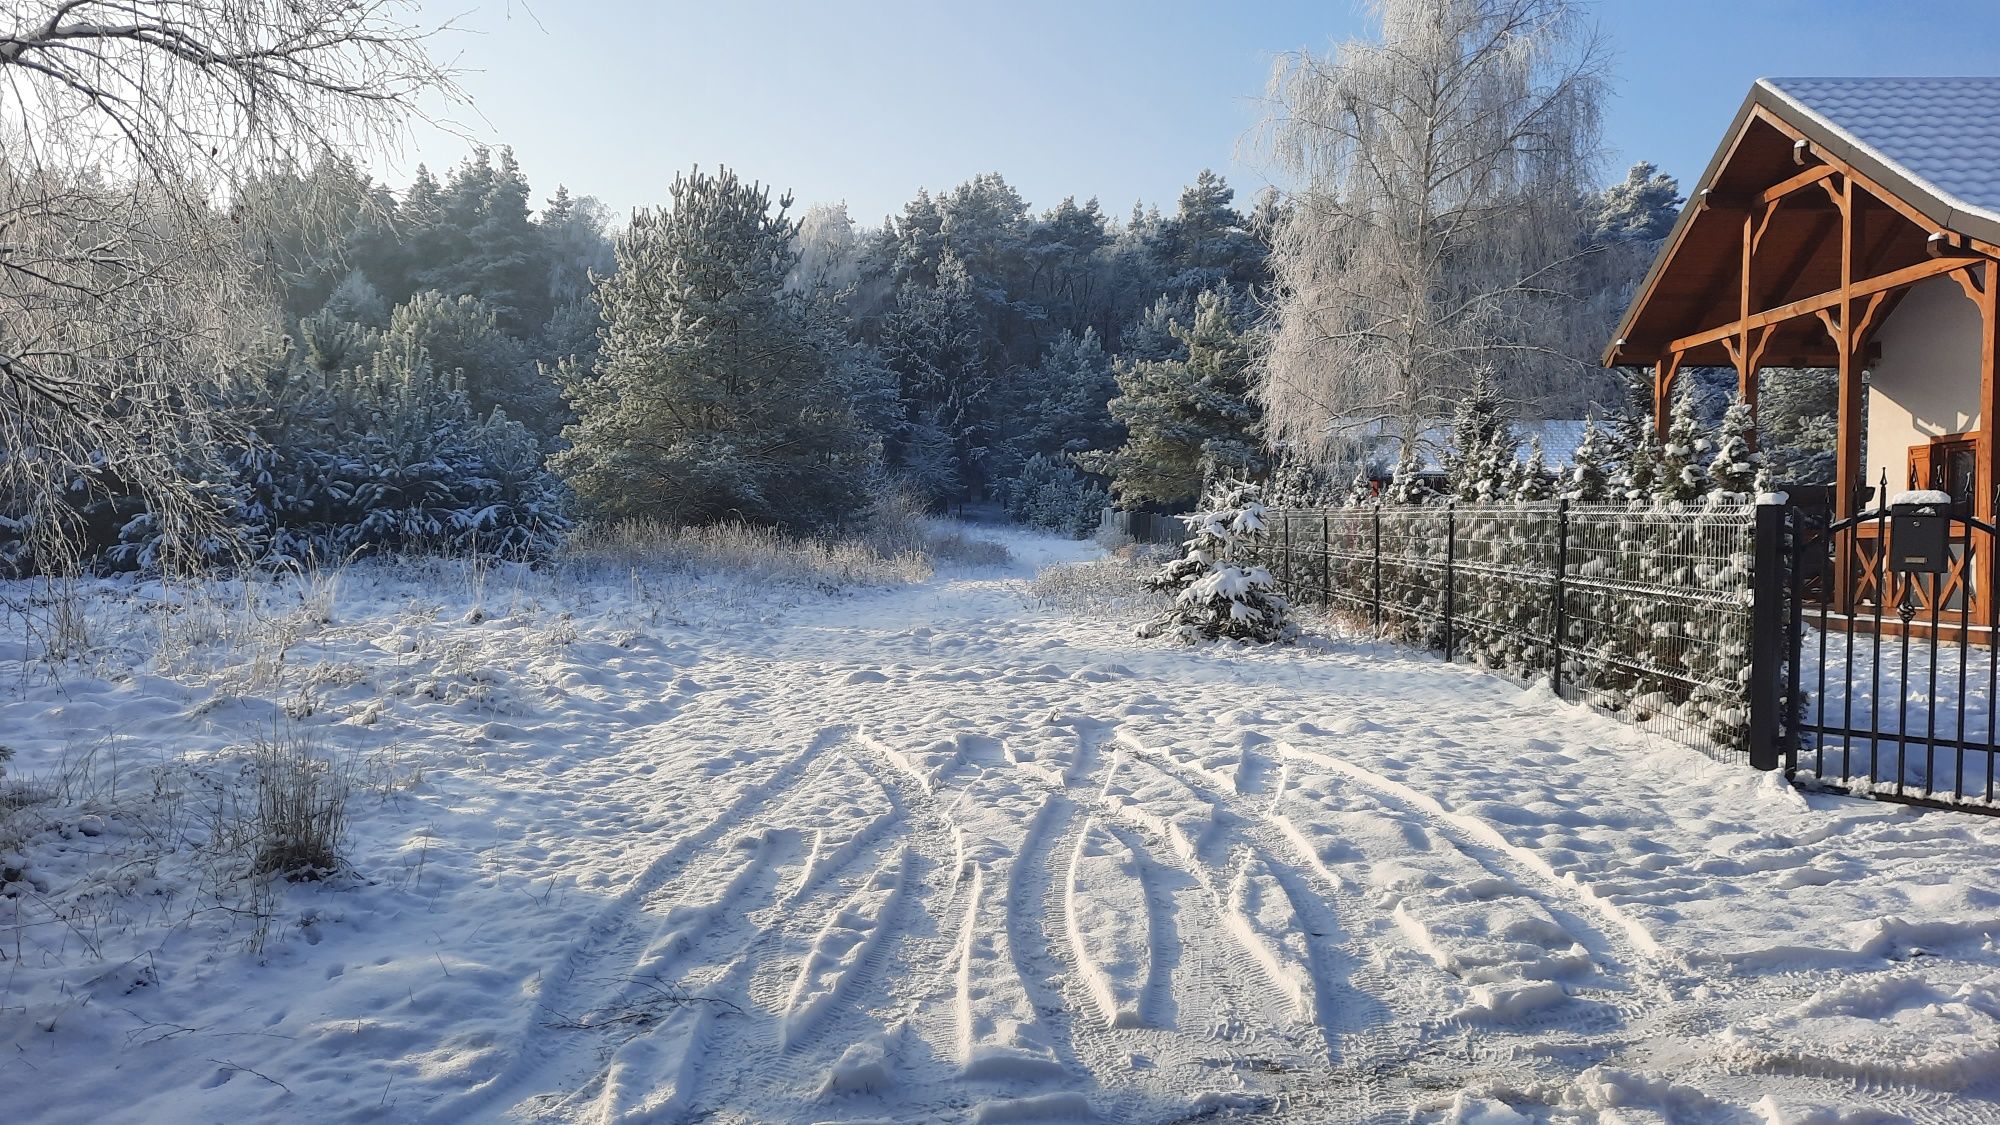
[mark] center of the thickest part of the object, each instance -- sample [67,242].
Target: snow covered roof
[1930,137]
[1932,144]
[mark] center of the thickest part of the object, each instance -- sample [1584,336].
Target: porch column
[1848,466]
[1984,503]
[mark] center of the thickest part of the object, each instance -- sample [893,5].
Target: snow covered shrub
[1050,494]
[1407,487]
[386,455]
[1218,592]
[1300,483]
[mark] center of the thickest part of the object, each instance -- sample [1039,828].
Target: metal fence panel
[1645,613]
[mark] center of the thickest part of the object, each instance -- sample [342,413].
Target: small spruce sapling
[1407,487]
[1589,479]
[1683,469]
[1535,482]
[1737,462]
[1361,492]
[1218,592]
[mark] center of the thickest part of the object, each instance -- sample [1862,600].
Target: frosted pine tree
[1218,592]
[1407,486]
[715,396]
[1635,451]
[1474,425]
[1683,475]
[1535,482]
[1589,478]
[1737,462]
[1361,491]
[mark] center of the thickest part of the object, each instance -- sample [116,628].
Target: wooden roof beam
[1896,279]
[1804,179]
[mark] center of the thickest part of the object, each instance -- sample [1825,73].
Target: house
[1850,224]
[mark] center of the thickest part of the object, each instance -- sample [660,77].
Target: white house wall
[1927,381]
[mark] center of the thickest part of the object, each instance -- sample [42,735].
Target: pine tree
[715,396]
[1635,452]
[357,301]
[1589,477]
[1683,469]
[1407,487]
[1535,481]
[935,343]
[1218,592]
[463,334]
[1481,464]
[1049,494]
[1737,463]
[1058,407]
[1641,208]
[1186,420]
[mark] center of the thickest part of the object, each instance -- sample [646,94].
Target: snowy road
[939,855]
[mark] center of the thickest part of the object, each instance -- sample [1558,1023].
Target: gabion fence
[1644,613]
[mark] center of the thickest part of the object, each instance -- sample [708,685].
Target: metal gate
[1893,665]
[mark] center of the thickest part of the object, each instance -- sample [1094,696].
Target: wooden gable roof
[1768,202]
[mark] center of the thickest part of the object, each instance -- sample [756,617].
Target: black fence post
[1795,632]
[1378,570]
[1450,550]
[1562,600]
[1285,552]
[1326,559]
[1769,625]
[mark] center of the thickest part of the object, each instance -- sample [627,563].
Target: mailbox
[1920,538]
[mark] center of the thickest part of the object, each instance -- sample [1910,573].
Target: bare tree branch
[127,130]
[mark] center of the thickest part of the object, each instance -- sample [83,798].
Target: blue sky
[867,101]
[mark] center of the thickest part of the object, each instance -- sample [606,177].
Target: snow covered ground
[661,849]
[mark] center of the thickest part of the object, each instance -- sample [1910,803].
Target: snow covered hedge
[1654,618]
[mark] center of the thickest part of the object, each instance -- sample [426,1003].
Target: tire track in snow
[1638,975]
[662,1073]
[1354,1018]
[1117,966]
[1463,827]
[1146,800]
[613,927]
[834,1035]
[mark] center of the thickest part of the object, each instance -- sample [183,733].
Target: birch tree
[126,128]
[1437,225]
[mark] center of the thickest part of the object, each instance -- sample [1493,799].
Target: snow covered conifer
[1737,462]
[1480,465]
[1683,469]
[1589,479]
[714,395]
[1634,450]
[1536,481]
[1218,592]
[1361,491]
[1407,487]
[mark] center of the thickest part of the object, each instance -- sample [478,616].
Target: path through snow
[936,854]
